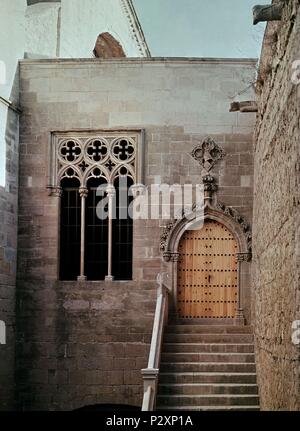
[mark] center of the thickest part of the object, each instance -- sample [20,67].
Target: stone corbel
[263,13]
[167,256]
[171,256]
[244,257]
[55,191]
[247,106]
[175,257]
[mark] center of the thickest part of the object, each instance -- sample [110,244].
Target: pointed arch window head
[108,47]
[83,171]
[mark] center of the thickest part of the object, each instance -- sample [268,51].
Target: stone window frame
[84,166]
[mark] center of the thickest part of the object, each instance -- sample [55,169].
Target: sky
[200,28]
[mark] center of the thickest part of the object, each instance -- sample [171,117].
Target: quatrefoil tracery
[96,150]
[123,150]
[95,158]
[70,151]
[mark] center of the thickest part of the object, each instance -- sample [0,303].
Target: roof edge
[141,60]
[134,23]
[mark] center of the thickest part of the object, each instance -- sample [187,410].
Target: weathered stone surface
[85,343]
[8,257]
[276,302]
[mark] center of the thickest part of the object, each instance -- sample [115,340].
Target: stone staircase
[207,368]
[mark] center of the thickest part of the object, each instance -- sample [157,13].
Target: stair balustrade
[150,374]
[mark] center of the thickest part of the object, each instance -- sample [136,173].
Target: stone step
[208,321]
[207,400]
[209,408]
[208,338]
[207,367]
[207,388]
[183,378]
[214,348]
[208,329]
[208,357]
[221,367]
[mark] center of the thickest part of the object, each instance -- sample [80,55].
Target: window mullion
[83,192]
[110,193]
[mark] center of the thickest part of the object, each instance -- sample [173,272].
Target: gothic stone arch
[226,216]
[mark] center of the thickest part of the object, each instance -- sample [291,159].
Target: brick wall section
[276,215]
[82,344]
[8,257]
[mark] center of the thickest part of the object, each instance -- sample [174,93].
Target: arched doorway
[207,273]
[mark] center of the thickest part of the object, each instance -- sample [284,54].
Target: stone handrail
[150,374]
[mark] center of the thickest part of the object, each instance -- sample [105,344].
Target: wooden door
[207,273]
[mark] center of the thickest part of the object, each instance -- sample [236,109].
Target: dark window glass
[96,246]
[96,232]
[70,230]
[122,233]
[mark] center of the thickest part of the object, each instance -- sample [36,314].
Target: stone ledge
[134,60]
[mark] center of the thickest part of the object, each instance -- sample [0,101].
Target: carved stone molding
[83,192]
[135,27]
[210,187]
[55,191]
[164,237]
[175,257]
[167,256]
[209,183]
[216,210]
[208,154]
[171,257]
[96,154]
[238,218]
[111,191]
[243,257]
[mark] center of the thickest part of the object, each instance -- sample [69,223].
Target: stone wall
[12,35]
[12,32]
[277,215]
[36,30]
[85,343]
[8,256]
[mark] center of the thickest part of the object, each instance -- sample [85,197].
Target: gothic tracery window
[88,173]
